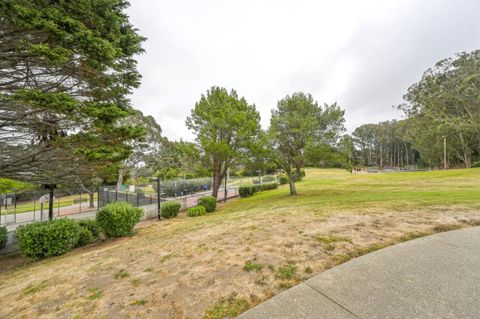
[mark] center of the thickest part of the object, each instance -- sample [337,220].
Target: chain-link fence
[27,207]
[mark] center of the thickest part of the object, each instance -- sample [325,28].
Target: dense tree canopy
[227,127]
[446,102]
[297,124]
[66,68]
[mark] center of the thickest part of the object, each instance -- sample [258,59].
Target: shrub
[269,186]
[283,179]
[476,164]
[196,211]
[246,191]
[3,237]
[170,209]
[209,202]
[118,219]
[51,238]
[85,237]
[93,227]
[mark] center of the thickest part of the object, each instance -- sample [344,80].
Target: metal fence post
[98,197]
[159,206]
[15,208]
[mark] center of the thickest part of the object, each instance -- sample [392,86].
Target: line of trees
[66,70]
[444,104]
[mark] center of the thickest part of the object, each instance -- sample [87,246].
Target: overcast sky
[361,54]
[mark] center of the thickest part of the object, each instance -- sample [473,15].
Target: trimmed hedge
[196,211]
[170,209]
[246,191]
[3,237]
[269,186]
[283,179]
[93,227]
[209,202]
[50,238]
[118,219]
[85,237]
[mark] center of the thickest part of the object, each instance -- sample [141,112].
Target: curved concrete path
[431,277]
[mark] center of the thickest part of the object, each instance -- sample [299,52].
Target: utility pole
[444,152]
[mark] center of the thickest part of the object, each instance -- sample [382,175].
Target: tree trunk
[293,190]
[217,178]
[92,202]
[121,174]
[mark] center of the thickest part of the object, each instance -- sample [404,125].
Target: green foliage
[283,179]
[10,186]
[444,103]
[118,219]
[3,237]
[79,57]
[229,307]
[226,127]
[287,272]
[246,191]
[252,266]
[249,190]
[299,123]
[170,209]
[209,202]
[265,187]
[45,239]
[196,211]
[93,227]
[85,237]
[476,164]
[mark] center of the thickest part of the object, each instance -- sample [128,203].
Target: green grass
[333,190]
[227,308]
[252,266]
[30,206]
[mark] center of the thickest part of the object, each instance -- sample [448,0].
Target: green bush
[93,227]
[269,186]
[170,209]
[476,164]
[3,237]
[51,238]
[246,191]
[118,219]
[85,237]
[209,202]
[283,179]
[196,211]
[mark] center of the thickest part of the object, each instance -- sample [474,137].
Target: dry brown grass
[183,267]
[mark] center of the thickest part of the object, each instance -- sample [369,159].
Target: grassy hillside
[249,250]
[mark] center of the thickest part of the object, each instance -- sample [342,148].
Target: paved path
[432,277]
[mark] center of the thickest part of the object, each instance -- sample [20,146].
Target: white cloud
[362,54]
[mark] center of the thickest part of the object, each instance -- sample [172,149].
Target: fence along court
[28,207]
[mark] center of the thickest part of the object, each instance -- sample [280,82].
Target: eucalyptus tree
[141,148]
[66,69]
[226,128]
[446,103]
[299,123]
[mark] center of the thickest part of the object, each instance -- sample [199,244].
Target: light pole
[444,152]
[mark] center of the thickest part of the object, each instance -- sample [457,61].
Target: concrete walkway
[432,277]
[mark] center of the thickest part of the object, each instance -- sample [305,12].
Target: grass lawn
[217,266]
